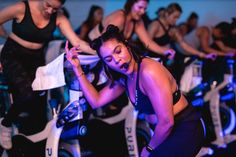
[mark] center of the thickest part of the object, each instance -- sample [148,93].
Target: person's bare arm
[204,37]
[3,32]
[149,43]
[184,45]
[8,13]
[64,25]
[96,99]
[83,31]
[225,48]
[157,87]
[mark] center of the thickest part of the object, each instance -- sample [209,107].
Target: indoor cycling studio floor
[229,151]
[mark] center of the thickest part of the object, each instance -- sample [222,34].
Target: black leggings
[19,67]
[186,138]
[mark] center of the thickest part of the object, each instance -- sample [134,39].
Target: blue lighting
[226,97]
[198,102]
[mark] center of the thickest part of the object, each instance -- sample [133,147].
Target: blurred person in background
[33,24]
[164,32]
[192,21]
[95,16]
[129,21]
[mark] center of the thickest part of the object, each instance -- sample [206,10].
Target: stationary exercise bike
[194,89]
[222,103]
[137,131]
[58,143]
[61,134]
[199,93]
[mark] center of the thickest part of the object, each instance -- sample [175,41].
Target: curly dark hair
[112,32]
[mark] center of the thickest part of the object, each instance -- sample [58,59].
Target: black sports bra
[28,31]
[164,39]
[142,102]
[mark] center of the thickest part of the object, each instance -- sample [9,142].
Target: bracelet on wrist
[80,74]
[149,148]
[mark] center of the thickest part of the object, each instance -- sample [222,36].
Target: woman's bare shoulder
[152,73]
[203,29]
[117,18]
[15,10]
[116,14]
[18,6]
[155,23]
[150,65]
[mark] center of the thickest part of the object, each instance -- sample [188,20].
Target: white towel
[88,59]
[52,75]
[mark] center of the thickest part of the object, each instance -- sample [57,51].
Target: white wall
[209,11]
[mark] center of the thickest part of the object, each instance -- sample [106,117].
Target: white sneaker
[5,136]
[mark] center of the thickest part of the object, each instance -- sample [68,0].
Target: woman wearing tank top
[163,31]
[95,16]
[32,28]
[202,37]
[153,91]
[130,21]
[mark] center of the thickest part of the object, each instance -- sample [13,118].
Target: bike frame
[52,133]
[223,137]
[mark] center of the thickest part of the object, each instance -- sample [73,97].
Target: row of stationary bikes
[75,130]
[216,100]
